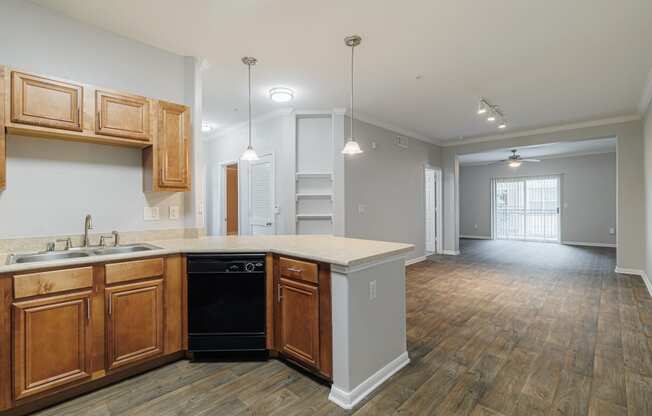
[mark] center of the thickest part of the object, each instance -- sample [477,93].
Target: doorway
[433,218]
[527,208]
[231,198]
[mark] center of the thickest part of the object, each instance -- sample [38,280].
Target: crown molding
[393,128]
[646,97]
[543,130]
[263,117]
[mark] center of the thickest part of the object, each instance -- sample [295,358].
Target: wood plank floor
[507,328]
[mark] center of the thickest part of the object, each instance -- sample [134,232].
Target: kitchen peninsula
[357,346]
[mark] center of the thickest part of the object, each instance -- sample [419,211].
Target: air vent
[402,142]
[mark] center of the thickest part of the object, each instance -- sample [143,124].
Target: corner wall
[52,184]
[588,196]
[388,184]
[647,140]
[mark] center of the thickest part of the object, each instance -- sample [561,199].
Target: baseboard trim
[451,252]
[415,260]
[582,243]
[348,400]
[476,237]
[637,272]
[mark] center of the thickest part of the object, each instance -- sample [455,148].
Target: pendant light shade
[352,147]
[249,153]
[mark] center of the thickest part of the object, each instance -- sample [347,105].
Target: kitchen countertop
[338,251]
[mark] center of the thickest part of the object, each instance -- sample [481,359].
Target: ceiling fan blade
[529,160]
[500,162]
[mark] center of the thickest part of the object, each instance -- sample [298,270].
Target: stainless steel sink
[32,258]
[129,248]
[78,253]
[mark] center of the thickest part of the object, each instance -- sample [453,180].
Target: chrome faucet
[88,225]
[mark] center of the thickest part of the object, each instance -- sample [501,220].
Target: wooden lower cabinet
[134,322]
[52,343]
[299,321]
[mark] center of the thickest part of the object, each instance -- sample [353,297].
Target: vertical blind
[526,208]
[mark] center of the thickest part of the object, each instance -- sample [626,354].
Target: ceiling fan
[515,160]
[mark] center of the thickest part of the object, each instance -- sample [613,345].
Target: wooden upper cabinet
[173,143]
[52,343]
[46,102]
[135,322]
[299,321]
[122,115]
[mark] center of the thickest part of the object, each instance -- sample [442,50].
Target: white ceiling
[542,151]
[545,63]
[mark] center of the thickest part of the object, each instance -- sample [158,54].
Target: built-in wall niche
[314,174]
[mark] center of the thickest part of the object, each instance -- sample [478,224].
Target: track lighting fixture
[492,113]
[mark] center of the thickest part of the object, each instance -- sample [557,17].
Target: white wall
[270,135]
[648,189]
[588,195]
[53,184]
[389,182]
[631,196]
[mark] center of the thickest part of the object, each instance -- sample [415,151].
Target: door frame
[274,219]
[221,195]
[560,208]
[439,221]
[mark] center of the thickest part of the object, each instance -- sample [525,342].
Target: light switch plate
[155,214]
[362,208]
[173,213]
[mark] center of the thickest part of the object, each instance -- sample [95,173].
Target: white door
[261,195]
[431,228]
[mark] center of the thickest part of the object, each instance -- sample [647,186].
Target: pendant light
[352,147]
[249,154]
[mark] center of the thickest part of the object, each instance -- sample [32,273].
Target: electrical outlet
[156,215]
[612,231]
[173,212]
[372,290]
[361,208]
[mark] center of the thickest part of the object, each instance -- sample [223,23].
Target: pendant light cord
[352,117]
[249,65]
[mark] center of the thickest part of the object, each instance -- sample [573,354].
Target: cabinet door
[173,146]
[45,102]
[135,322]
[122,115]
[299,310]
[52,343]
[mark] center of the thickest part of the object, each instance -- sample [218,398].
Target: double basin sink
[78,253]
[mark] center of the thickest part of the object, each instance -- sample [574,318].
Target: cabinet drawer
[133,270]
[297,269]
[56,281]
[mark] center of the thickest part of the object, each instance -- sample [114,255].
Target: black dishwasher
[226,302]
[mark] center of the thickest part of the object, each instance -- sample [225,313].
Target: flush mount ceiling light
[352,147]
[281,94]
[492,113]
[249,153]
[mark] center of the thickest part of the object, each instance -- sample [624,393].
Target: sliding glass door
[526,208]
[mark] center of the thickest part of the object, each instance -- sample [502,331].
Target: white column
[339,174]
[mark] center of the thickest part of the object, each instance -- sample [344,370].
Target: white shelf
[315,175]
[315,195]
[314,217]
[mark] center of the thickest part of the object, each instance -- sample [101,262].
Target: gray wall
[389,182]
[648,190]
[588,196]
[631,196]
[51,183]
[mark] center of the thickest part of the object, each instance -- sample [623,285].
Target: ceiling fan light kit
[492,112]
[515,160]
